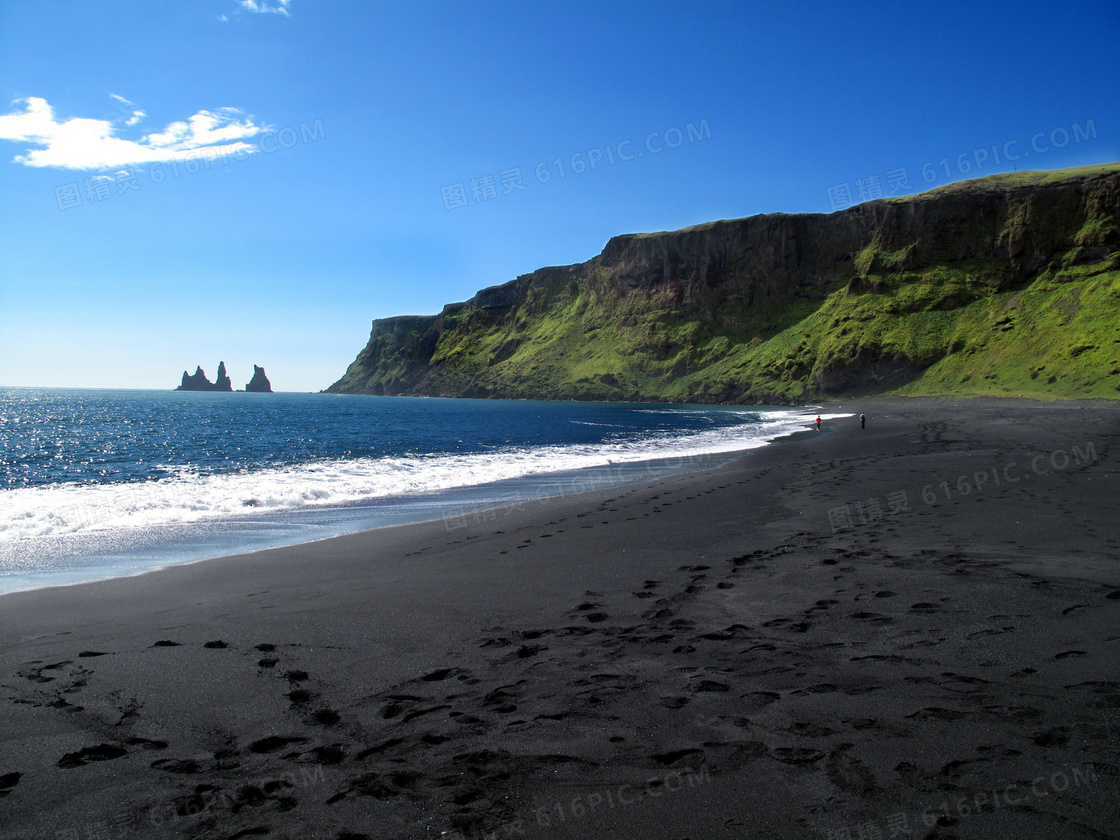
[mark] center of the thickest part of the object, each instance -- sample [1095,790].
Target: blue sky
[203,180]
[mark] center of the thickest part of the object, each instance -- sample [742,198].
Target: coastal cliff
[1004,285]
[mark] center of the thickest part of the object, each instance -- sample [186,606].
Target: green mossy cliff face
[1005,285]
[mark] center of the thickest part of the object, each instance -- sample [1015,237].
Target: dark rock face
[198,381]
[496,297]
[259,383]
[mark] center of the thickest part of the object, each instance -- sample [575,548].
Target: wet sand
[909,630]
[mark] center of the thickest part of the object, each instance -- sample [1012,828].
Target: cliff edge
[1006,285]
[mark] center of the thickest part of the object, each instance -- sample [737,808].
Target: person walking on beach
[862,422]
[818,423]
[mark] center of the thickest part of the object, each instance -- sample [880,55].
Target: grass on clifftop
[1010,180]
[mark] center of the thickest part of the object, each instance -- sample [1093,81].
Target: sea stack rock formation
[223,382]
[198,381]
[259,383]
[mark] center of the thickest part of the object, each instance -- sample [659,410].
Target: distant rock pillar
[223,382]
[259,383]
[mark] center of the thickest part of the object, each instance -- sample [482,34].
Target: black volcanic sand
[714,655]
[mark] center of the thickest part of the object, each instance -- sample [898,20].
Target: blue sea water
[105,483]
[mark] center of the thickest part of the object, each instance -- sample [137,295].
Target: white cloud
[262,7]
[35,122]
[93,144]
[137,114]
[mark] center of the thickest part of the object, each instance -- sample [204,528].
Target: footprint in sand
[711,685]
[329,754]
[186,766]
[7,782]
[102,752]
[734,631]
[797,755]
[1056,737]
[273,743]
[936,713]
[326,716]
[925,607]
[299,696]
[585,608]
[873,618]
[439,674]
[850,774]
[668,759]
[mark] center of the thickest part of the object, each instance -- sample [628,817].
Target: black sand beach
[910,630]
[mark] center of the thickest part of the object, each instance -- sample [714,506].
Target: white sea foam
[71,508]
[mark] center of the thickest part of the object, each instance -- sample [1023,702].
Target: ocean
[108,483]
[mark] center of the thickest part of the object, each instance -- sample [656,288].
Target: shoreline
[129,551]
[734,650]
